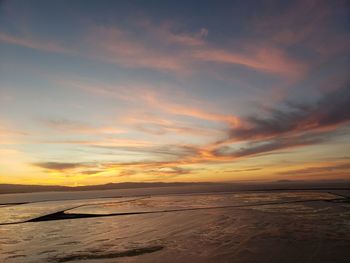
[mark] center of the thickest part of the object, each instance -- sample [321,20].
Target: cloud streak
[297,126]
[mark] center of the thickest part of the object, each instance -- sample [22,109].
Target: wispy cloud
[34,43]
[173,33]
[117,46]
[150,98]
[155,125]
[10,135]
[265,59]
[252,169]
[78,127]
[181,109]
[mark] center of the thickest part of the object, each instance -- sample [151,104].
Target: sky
[93,92]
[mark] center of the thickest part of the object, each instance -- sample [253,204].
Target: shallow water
[237,227]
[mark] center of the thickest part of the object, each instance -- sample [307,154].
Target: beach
[262,226]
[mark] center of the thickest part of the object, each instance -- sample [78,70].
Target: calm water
[227,227]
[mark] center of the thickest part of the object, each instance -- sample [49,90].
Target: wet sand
[291,226]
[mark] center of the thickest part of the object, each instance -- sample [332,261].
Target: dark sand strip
[127,253]
[74,207]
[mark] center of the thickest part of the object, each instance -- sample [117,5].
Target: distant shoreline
[231,186]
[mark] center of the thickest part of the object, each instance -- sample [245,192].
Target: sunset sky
[93,92]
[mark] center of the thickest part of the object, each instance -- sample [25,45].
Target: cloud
[168,172]
[291,126]
[311,25]
[161,172]
[11,136]
[117,46]
[116,146]
[59,166]
[268,59]
[244,170]
[173,33]
[265,146]
[34,43]
[328,169]
[152,99]
[330,112]
[73,126]
[296,126]
[116,143]
[91,172]
[153,124]
[127,173]
[164,47]
[179,152]
[161,129]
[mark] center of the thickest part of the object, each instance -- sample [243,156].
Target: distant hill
[19,188]
[229,186]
